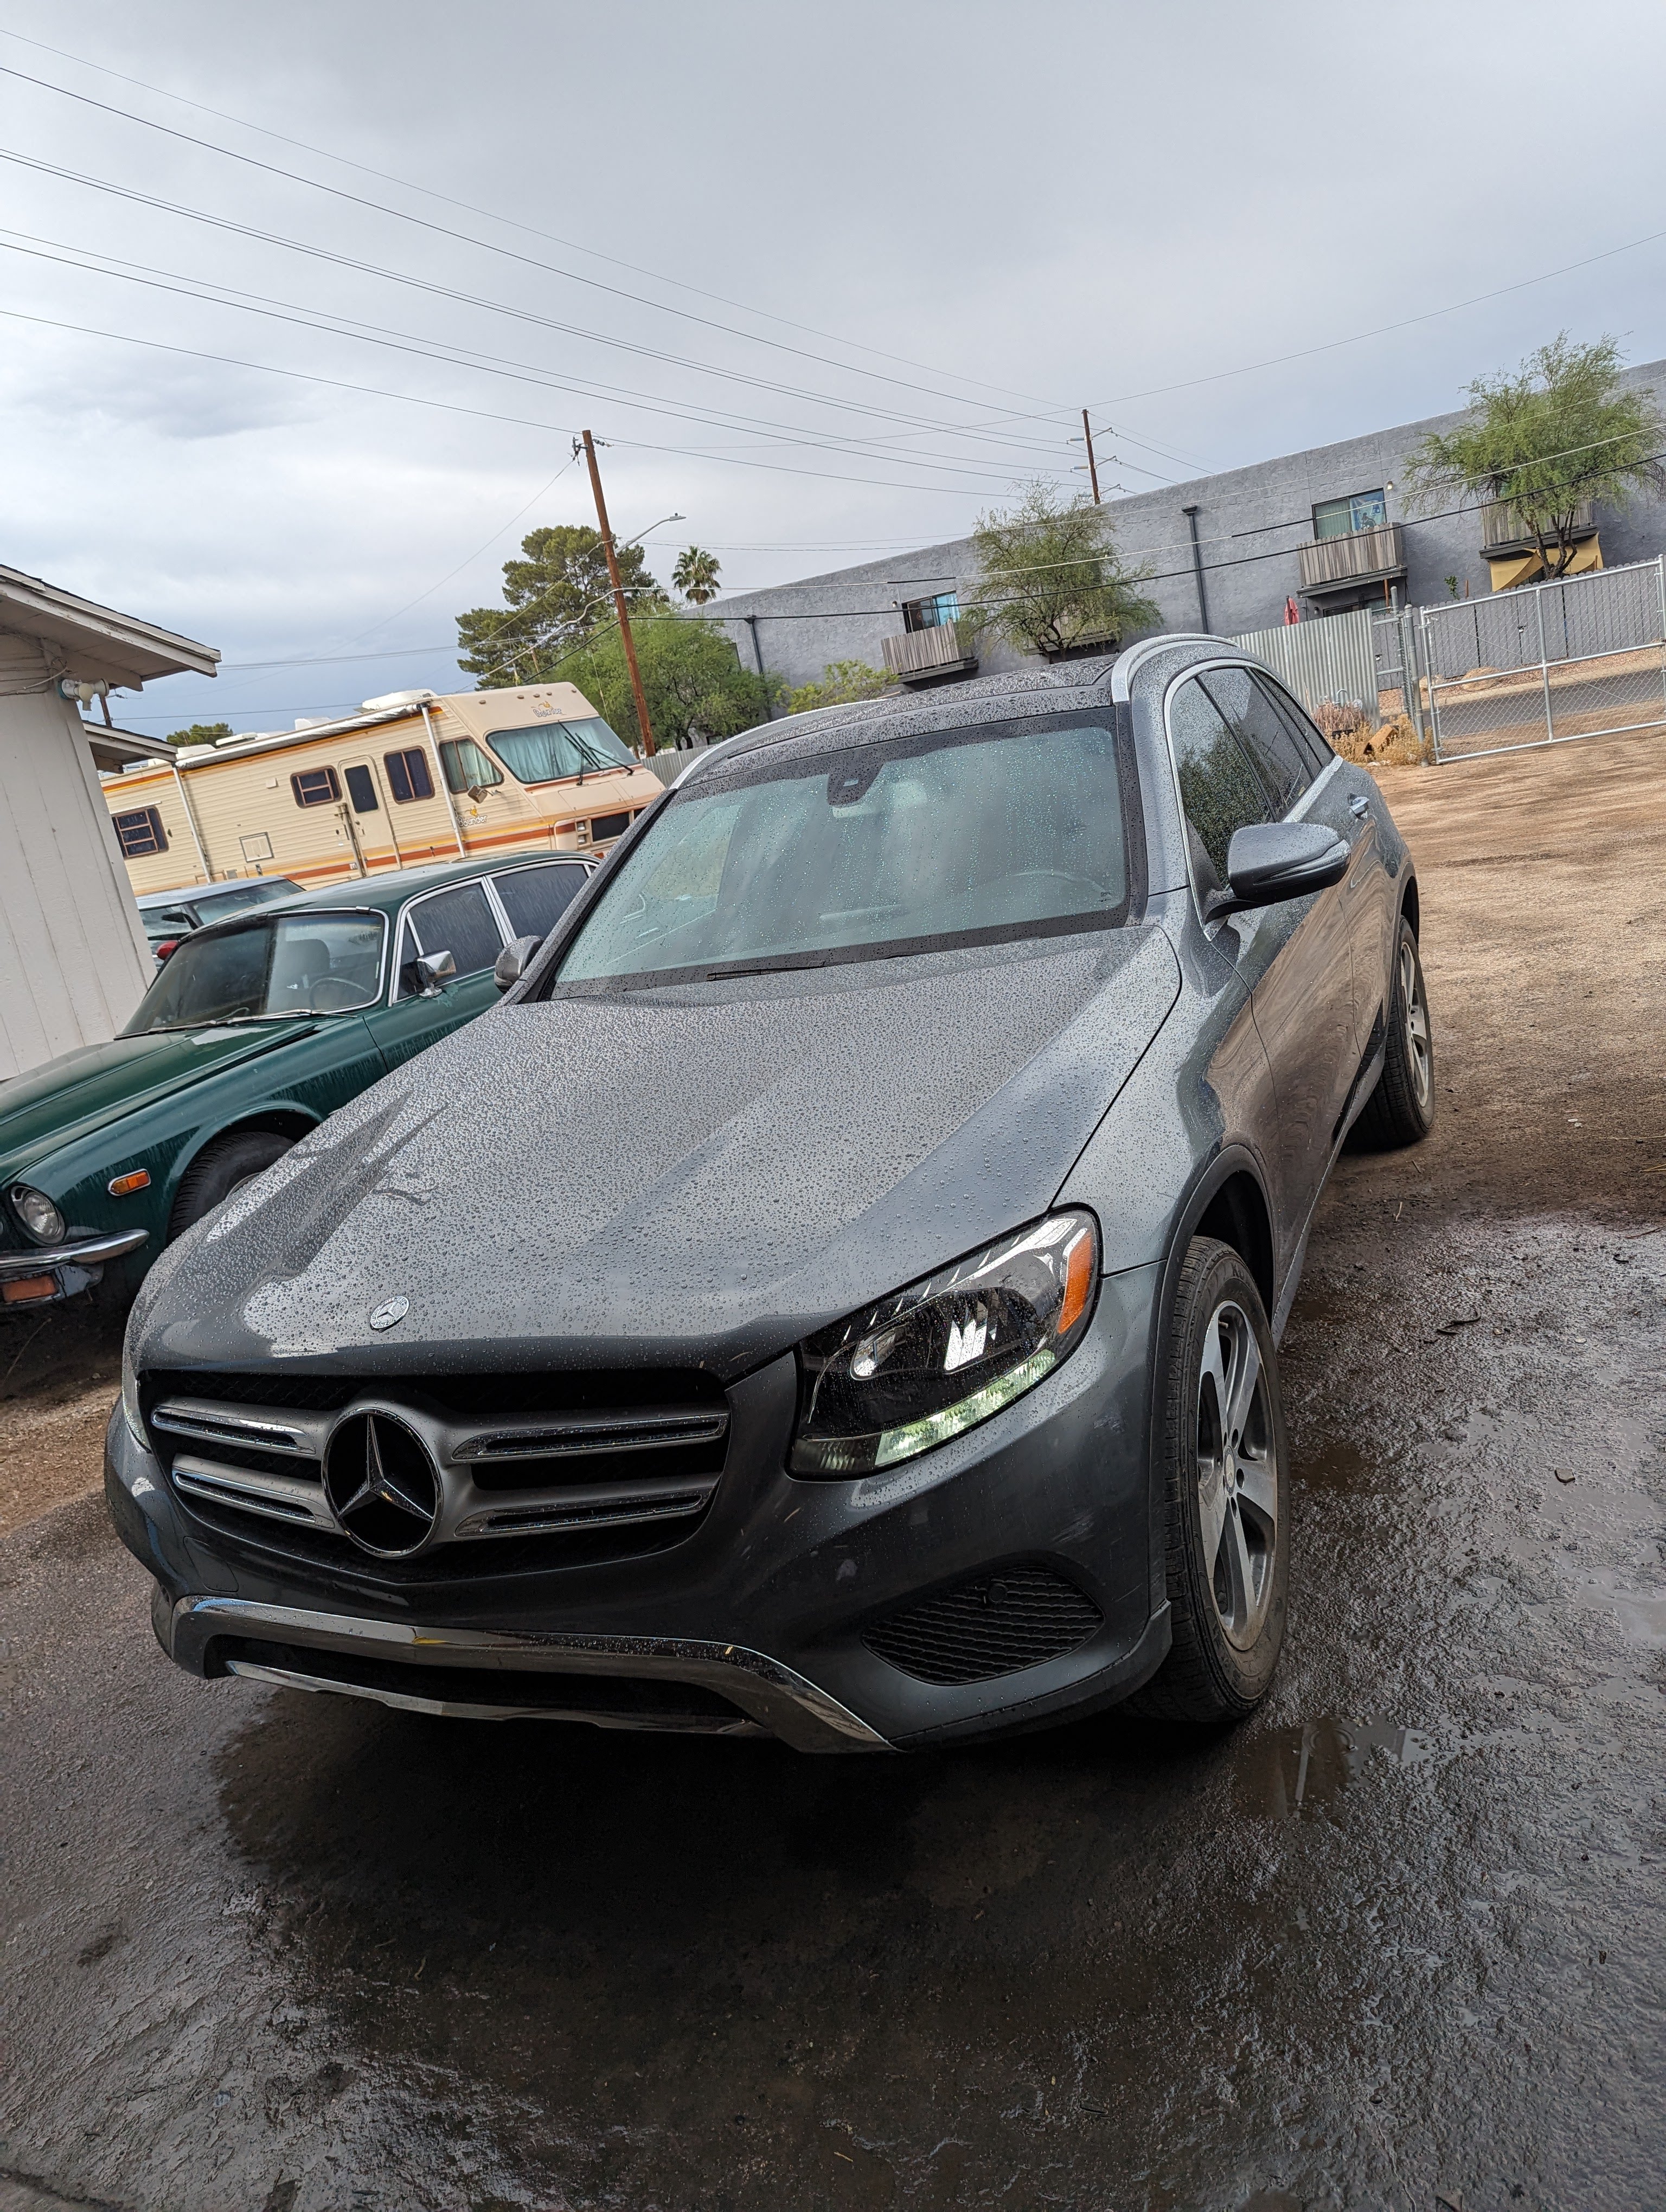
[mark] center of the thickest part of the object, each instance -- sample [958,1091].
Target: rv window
[315,786]
[361,790]
[140,832]
[407,775]
[553,749]
[468,768]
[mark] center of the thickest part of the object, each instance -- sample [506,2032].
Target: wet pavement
[1400,1936]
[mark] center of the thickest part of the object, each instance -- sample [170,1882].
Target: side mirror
[513,961]
[434,969]
[1268,862]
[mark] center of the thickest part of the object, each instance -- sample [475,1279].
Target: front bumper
[761,1612]
[69,1267]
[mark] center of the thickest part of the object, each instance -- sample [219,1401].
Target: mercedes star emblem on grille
[389,1311]
[382,1485]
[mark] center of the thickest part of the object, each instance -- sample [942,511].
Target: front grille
[1018,1617]
[608,825]
[624,1701]
[534,1470]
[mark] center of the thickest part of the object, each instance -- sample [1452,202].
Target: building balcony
[1503,532]
[1359,556]
[922,656]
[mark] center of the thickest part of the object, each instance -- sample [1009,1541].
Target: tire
[1227,1485]
[1401,1110]
[218,1168]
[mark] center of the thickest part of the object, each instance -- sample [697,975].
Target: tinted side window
[1309,736]
[460,922]
[536,898]
[1219,789]
[1262,731]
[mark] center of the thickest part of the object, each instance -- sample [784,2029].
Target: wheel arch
[285,1119]
[1411,906]
[1229,1200]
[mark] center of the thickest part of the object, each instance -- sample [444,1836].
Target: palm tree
[696,574]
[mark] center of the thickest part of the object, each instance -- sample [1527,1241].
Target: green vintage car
[254,1031]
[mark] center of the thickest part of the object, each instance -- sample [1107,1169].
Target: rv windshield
[965,837]
[266,970]
[550,750]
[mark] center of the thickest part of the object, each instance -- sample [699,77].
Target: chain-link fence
[1582,658]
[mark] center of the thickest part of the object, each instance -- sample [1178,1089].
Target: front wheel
[1402,1108]
[218,1169]
[1225,1461]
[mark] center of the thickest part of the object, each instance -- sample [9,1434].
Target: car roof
[387,891]
[199,893]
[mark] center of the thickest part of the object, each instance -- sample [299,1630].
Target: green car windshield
[265,970]
[965,837]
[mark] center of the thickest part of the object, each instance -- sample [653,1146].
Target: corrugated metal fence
[1330,658]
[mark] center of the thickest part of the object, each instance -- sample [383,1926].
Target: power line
[488,245]
[551,238]
[253,303]
[979,431]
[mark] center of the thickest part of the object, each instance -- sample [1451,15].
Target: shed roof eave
[102,643]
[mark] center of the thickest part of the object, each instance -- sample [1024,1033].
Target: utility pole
[1093,465]
[642,722]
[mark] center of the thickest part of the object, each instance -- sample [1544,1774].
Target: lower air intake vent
[1018,1617]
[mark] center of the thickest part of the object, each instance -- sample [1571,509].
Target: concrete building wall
[73,958]
[1250,522]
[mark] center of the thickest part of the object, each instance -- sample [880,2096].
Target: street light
[653,526]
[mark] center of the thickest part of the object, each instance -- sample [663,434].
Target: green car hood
[79,1091]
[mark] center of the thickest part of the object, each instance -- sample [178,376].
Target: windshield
[552,750]
[262,970]
[966,836]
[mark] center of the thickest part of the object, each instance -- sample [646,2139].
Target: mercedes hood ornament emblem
[389,1311]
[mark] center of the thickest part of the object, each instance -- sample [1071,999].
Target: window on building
[140,831]
[362,789]
[935,613]
[467,767]
[408,776]
[1340,517]
[315,786]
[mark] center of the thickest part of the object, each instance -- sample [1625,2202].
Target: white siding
[72,960]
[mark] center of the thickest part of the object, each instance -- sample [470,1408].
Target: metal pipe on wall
[1190,513]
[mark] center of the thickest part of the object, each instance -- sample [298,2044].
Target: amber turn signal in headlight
[951,1350]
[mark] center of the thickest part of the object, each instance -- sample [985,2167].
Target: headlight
[37,1214]
[946,1353]
[129,1394]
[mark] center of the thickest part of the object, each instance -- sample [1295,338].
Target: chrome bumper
[89,1252]
[776,1700]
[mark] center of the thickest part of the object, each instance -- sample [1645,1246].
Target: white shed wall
[73,958]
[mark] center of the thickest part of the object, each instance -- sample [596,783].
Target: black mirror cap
[513,961]
[1268,862]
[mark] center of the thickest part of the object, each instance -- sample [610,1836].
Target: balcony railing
[1502,528]
[1361,557]
[941,651]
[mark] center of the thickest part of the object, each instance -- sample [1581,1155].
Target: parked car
[256,1029]
[169,916]
[918,1380]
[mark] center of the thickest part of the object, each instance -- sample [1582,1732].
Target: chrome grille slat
[211,1424]
[274,1497]
[584,1435]
[552,1515]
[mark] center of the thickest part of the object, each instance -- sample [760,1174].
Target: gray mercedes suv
[836,1293]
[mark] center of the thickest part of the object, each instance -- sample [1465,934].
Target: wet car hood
[697,1176]
[78,1093]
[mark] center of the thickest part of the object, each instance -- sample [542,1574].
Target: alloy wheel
[1237,1475]
[1417,1024]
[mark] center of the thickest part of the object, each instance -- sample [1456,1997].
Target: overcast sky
[829,281]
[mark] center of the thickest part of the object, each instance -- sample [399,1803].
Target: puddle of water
[1641,1613]
[1297,1768]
